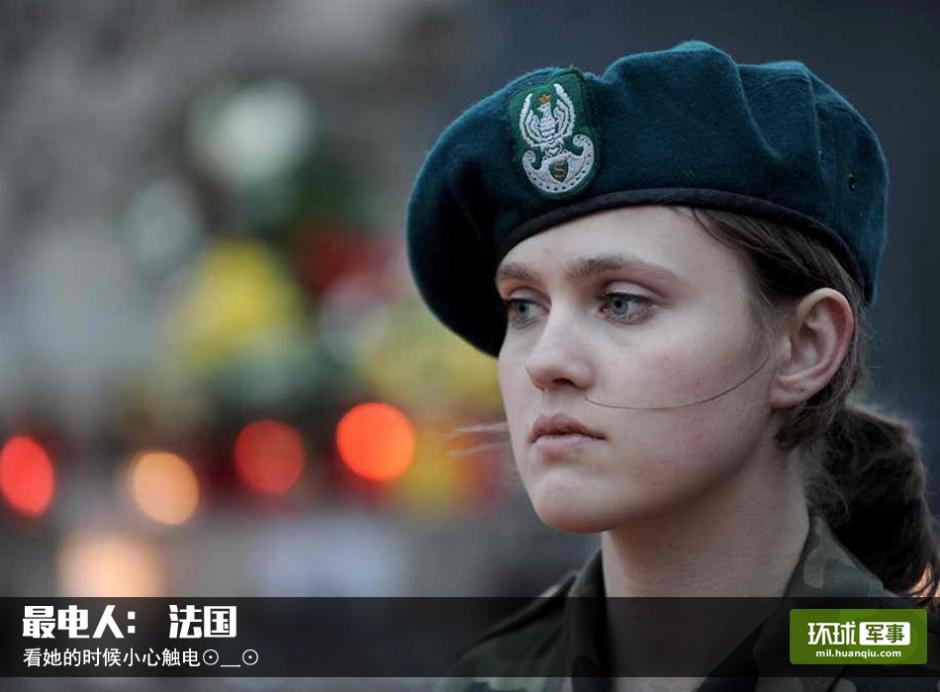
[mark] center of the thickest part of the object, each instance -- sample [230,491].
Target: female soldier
[672,262]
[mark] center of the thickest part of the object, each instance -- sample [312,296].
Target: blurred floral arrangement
[294,366]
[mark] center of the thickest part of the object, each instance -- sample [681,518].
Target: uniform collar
[825,568]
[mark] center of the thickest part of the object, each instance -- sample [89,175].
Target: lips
[561,424]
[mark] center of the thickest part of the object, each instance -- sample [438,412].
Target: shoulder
[535,613]
[524,632]
[528,639]
[926,678]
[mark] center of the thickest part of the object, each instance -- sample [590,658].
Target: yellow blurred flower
[239,297]
[407,356]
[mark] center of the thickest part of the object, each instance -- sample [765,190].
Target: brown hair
[864,469]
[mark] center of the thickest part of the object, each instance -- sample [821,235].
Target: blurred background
[216,376]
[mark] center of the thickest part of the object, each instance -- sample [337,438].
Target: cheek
[685,362]
[671,453]
[674,453]
[692,440]
[508,388]
[518,397]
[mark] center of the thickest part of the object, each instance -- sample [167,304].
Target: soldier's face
[682,333]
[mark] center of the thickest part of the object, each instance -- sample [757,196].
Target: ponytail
[876,502]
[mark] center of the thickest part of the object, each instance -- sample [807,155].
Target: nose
[559,356]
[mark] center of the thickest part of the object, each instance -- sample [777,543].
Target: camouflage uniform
[540,635]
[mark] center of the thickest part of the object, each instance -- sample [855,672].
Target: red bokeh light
[269,456]
[27,478]
[376,441]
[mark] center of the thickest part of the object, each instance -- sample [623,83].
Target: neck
[741,538]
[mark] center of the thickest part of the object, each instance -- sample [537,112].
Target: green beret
[687,125]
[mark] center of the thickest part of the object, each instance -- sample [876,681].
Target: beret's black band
[695,197]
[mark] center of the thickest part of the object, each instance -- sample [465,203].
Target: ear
[817,339]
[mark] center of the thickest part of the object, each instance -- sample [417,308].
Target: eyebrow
[585,267]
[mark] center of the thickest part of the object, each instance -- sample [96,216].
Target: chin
[574,508]
[569,512]
[570,523]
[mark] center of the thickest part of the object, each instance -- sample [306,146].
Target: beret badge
[554,143]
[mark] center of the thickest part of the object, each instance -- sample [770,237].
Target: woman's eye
[626,307]
[518,310]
